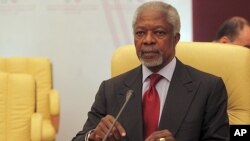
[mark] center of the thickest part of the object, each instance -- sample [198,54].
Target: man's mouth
[149,55]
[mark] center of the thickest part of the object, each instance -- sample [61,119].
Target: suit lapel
[180,94]
[181,91]
[131,118]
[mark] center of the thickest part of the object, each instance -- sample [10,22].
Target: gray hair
[171,13]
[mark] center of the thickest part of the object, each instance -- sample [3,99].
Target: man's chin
[153,63]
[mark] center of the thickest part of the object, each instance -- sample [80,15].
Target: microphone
[128,96]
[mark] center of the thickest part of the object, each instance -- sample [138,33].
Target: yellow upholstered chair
[18,120]
[231,62]
[47,97]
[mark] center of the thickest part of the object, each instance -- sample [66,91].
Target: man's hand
[163,134]
[102,128]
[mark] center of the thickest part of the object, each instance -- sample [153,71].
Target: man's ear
[224,39]
[177,38]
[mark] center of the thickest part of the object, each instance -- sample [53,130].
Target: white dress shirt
[163,85]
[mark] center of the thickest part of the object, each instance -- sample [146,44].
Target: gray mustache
[149,49]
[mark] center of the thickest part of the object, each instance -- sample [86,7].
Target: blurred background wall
[208,15]
[79,37]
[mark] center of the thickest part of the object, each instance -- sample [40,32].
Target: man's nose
[149,38]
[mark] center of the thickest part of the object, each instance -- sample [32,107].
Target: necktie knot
[154,78]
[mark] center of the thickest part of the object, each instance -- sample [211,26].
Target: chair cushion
[40,68]
[232,63]
[17,104]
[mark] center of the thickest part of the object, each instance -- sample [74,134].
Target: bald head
[235,30]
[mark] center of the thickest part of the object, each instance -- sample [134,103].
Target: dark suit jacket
[195,108]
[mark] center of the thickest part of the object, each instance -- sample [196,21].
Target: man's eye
[160,33]
[139,33]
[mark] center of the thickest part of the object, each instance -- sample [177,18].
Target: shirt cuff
[88,134]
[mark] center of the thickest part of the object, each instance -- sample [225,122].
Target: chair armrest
[36,127]
[55,109]
[54,103]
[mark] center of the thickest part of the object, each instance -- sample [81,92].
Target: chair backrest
[231,62]
[17,104]
[47,99]
[40,69]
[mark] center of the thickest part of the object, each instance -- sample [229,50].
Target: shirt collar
[166,72]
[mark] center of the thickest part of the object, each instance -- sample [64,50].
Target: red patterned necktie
[151,107]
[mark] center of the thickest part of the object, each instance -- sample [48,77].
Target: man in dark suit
[189,105]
